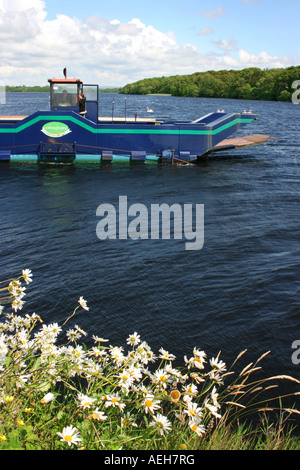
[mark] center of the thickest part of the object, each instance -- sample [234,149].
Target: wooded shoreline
[250,84]
[247,84]
[46,89]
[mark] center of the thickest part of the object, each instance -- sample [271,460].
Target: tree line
[23,88]
[35,88]
[250,84]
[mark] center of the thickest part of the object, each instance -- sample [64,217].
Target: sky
[112,43]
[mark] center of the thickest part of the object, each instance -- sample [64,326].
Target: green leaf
[13,441]
[36,364]
[8,360]
[43,386]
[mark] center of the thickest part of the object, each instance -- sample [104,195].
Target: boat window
[91,92]
[64,94]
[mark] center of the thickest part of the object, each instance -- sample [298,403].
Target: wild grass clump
[56,393]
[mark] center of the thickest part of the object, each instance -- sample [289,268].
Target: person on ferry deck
[65,99]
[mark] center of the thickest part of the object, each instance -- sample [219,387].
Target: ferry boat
[72,132]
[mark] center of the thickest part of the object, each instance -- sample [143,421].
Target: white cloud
[97,50]
[206,31]
[262,60]
[212,14]
[226,44]
[252,2]
[19,23]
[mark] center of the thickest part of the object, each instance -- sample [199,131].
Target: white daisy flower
[96,352]
[196,361]
[85,401]
[73,335]
[135,372]
[161,423]
[98,415]
[125,379]
[166,355]
[215,377]
[150,404]
[213,409]
[214,396]
[83,303]
[127,420]
[197,427]
[160,377]
[117,354]
[193,410]
[27,275]
[80,330]
[17,304]
[197,352]
[17,291]
[70,435]
[98,339]
[190,389]
[114,400]
[47,398]
[133,339]
[220,366]
[52,329]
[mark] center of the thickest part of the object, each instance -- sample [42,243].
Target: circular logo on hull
[56,129]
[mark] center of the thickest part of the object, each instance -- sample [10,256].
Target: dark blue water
[242,290]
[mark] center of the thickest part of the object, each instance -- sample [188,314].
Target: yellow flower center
[68,438]
[175,394]
[148,403]
[114,400]
[9,398]
[194,427]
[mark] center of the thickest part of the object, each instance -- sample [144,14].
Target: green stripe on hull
[93,130]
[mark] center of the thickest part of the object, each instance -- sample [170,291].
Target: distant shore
[46,89]
[247,84]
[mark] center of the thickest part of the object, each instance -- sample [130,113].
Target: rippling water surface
[242,290]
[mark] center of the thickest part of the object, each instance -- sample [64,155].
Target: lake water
[241,290]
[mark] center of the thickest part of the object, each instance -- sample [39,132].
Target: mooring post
[172,158]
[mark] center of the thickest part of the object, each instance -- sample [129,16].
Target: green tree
[250,83]
[285,96]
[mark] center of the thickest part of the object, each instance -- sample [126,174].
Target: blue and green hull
[66,136]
